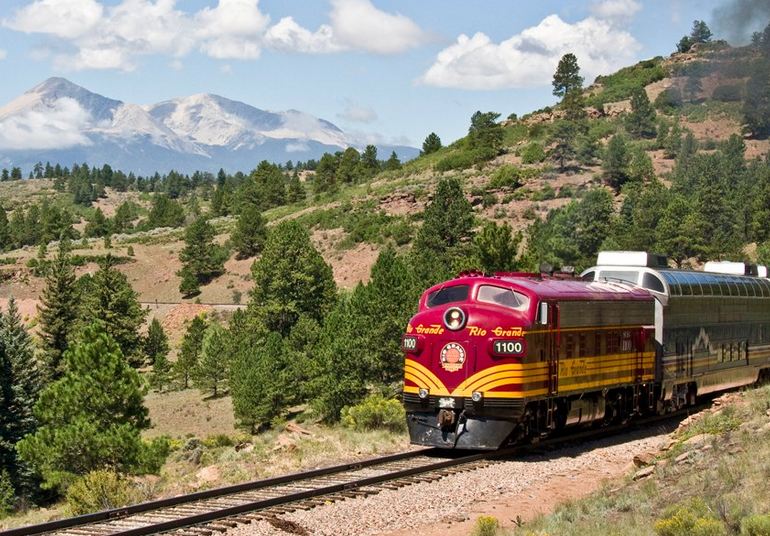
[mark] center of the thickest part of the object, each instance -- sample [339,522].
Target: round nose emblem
[452,356]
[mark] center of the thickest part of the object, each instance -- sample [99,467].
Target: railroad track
[215,511]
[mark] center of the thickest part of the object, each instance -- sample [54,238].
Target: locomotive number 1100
[508,347]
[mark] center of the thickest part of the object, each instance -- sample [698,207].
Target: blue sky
[388,70]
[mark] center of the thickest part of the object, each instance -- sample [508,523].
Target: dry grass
[728,470]
[180,414]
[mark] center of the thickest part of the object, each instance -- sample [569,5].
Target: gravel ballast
[458,498]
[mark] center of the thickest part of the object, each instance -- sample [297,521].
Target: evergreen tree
[673,141]
[640,167]
[98,225]
[213,368]
[58,311]
[641,121]
[567,76]
[110,299]
[290,279]
[161,372]
[156,342]
[369,161]
[190,351]
[349,171]
[431,144]
[124,216]
[563,136]
[202,260]
[91,417]
[257,382]
[756,106]
[677,232]
[700,32]
[496,248]
[20,387]
[616,162]
[393,163]
[295,191]
[485,135]
[250,233]
[447,227]
[573,105]
[165,212]
[325,180]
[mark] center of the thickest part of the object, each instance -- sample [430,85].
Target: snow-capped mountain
[61,122]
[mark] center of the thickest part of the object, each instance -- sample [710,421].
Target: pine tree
[213,368]
[393,163]
[161,372]
[20,391]
[700,32]
[756,106]
[369,161]
[58,311]
[110,299]
[295,191]
[431,144]
[616,162]
[567,76]
[446,229]
[350,170]
[202,260]
[290,279]
[258,383]
[641,121]
[165,212]
[485,135]
[98,225]
[250,233]
[640,167]
[89,418]
[156,342]
[563,136]
[189,353]
[496,248]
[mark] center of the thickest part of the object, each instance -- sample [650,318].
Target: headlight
[423,392]
[454,318]
[476,396]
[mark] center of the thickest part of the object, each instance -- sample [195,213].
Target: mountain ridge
[203,132]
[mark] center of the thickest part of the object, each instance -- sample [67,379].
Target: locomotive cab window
[651,282]
[502,296]
[442,296]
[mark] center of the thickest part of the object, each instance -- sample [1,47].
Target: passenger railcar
[491,360]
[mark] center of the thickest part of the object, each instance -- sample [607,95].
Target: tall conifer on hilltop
[189,353]
[201,258]
[58,311]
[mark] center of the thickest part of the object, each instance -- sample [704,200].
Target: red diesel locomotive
[493,359]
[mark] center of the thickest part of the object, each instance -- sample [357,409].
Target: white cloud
[3,54]
[288,36]
[58,127]
[529,58]
[226,69]
[62,18]
[357,24]
[616,11]
[96,35]
[357,113]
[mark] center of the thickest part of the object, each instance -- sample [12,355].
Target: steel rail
[115,513]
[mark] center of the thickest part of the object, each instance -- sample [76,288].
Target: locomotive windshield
[446,295]
[502,296]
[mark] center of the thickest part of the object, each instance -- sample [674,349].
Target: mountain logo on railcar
[452,357]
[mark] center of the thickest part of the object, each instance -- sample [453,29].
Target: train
[497,359]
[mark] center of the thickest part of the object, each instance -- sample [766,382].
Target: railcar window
[620,275]
[613,342]
[569,347]
[446,295]
[502,296]
[589,276]
[650,281]
[582,345]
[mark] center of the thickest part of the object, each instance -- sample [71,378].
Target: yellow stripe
[425,371]
[476,385]
[625,327]
[422,381]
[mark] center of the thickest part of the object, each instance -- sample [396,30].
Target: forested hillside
[329,257]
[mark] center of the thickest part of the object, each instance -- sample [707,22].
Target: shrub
[533,154]
[621,85]
[547,192]
[692,518]
[7,497]
[130,251]
[486,526]
[219,440]
[237,295]
[506,177]
[728,93]
[100,490]
[375,412]
[487,200]
[458,160]
[669,100]
[756,526]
